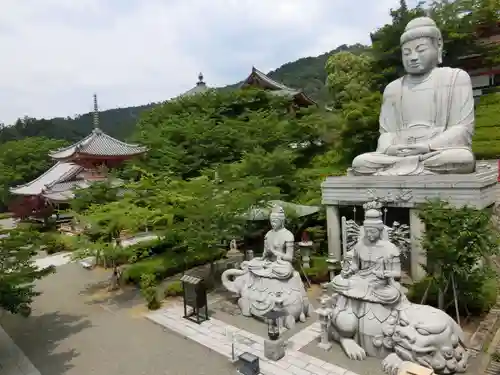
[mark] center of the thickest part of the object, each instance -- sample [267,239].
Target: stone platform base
[478,189]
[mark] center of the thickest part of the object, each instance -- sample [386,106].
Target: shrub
[477,303]
[458,242]
[149,291]
[56,242]
[167,264]
[173,289]
[318,272]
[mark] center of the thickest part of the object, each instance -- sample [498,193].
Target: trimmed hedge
[167,264]
[486,141]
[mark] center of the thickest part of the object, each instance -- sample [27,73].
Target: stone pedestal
[478,190]
[410,368]
[274,349]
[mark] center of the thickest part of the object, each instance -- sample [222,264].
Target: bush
[56,242]
[318,273]
[173,289]
[168,264]
[480,300]
[149,290]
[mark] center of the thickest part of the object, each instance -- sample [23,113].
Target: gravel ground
[78,330]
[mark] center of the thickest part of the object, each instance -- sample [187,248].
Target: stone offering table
[478,190]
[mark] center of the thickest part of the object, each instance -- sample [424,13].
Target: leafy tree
[23,160]
[18,271]
[459,243]
[351,81]
[459,21]
[105,224]
[98,193]
[190,134]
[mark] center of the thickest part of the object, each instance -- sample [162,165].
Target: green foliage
[98,193]
[458,243]
[18,271]
[486,141]
[318,272]
[479,299]
[22,161]
[54,242]
[149,290]
[167,264]
[173,289]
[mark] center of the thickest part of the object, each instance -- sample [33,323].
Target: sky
[57,53]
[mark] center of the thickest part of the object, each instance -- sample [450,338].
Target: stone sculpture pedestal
[477,190]
[274,349]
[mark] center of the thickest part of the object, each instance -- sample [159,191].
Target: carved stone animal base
[258,295]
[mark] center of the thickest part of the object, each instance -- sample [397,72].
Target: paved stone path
[218,336]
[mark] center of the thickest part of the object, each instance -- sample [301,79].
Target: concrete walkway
[77,329]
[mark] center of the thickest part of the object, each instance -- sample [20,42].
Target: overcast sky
[57,53]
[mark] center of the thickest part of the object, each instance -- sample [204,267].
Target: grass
[486,140]
[5,215]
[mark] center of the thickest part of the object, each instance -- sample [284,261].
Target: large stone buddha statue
[427,116]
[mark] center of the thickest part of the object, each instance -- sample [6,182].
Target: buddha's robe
[364,285]
[437,111]
[268,266]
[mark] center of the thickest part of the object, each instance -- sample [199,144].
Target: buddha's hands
[380,274]
[346,273]
[408,150]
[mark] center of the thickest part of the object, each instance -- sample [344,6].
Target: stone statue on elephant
[371,316]
[261,280]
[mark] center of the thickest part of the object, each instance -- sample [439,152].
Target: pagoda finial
[96,113]
[200,79]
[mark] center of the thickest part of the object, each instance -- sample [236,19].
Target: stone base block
[274,349]
[477,189]
[410,368]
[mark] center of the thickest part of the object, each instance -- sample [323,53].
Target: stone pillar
[334,236]
[417,255]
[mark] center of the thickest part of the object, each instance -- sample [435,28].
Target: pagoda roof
[259,79]
[200,88]
[98,143]
[60,172]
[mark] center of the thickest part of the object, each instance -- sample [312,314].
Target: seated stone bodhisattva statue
[372,316]
[263,280]
[427,116]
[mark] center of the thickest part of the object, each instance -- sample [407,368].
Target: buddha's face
[420,56]
[372,234]
[276,222]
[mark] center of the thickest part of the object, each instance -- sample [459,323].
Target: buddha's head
[373,224]
[277,218]
[421,46]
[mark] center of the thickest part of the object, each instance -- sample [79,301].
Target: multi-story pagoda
[262,81]
[77,166]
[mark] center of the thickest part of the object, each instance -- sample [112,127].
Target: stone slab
[477,190]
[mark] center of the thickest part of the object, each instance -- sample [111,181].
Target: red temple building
[261,80]
[77,166]
[483,78]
